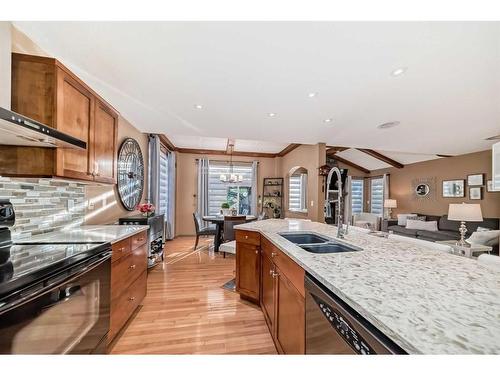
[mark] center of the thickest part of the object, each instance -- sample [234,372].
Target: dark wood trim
[223,152]
[288,149]
[349,163]
[444,156]
[379,156]
[334,149]
[167,143]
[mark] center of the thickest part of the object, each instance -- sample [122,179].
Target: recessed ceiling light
[312,94]
[198,106]
[388,125]
[398,71]
[328,120]
[272,114]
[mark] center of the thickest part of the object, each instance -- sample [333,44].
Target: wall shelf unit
[272,197]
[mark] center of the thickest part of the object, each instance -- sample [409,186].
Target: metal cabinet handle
[273,254]
[140,239]
[132,267]
[271,272]
[246,237]
[122,249]
[131,298]
[256,251]
[274,274]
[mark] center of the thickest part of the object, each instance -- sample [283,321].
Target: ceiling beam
[379,156]
[334,149]
[223,152]
[349,163]
[288,149]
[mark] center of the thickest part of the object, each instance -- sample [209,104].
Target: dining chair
[202,230]
[229,244]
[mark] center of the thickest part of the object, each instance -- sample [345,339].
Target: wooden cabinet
[104,143]
[248,271]
[74,116]
[45,90]
[282,294]
[290,316]
[128,280]
[267,300]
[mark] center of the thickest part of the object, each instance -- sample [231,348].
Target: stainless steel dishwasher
[333,327]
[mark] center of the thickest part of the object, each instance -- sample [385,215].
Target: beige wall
[5,64]
[457,167]
[187,185]
[310,157]
[107,206]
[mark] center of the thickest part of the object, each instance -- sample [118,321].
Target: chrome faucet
[341,232]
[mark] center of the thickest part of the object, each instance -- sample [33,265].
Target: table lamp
[390,204]
[464,212]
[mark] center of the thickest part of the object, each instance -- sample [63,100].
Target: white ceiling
[213,143]
[155,73]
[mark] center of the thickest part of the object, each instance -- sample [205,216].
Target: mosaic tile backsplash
[43,205]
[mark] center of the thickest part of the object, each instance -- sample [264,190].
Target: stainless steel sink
[304,238]
[317,244]
[329,247]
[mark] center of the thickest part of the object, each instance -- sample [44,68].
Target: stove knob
[363,351]
[356,345]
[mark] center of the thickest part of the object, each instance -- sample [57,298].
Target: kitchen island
[427,302]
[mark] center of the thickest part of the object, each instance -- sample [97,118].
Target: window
[357,188]
[297,192]
[238,195]
[377,196]
[163,182]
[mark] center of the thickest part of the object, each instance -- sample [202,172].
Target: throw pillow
[486,237]
[421,218]
[431,226]
[483,229]
[403,217]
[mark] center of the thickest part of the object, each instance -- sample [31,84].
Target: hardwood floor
[186,311]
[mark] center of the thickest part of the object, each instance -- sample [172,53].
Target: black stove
[62,289]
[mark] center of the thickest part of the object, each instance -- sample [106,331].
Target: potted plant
[225,210]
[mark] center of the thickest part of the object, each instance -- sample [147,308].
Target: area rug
[230,285]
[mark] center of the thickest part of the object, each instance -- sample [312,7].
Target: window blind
[237,195]
[377,196]
[357,186]
[163,182]
[297,192]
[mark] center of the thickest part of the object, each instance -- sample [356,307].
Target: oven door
[67,313]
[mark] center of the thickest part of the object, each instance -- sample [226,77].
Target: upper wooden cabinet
[45,90]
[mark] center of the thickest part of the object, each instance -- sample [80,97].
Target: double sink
[318,244]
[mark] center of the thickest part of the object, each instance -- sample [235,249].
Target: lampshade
[390,203]
[465,212]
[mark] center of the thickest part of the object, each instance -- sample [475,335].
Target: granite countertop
[87,233]
[426,301]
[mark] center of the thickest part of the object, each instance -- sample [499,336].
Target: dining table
[218,220]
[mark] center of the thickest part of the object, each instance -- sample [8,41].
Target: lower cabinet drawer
[123,306]
[120,249]
[125,270]
[248,237]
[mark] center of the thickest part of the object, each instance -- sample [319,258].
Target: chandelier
[231,177]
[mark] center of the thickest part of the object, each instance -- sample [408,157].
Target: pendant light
[231,177]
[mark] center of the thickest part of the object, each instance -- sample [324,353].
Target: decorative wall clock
[130,174]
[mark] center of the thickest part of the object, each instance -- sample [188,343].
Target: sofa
[366,220]
[447,229]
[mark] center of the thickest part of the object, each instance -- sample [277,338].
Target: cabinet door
[103,147]
[74,117]
[268,291]
[290,317]
[248,270]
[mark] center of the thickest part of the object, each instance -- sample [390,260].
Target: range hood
[18,130]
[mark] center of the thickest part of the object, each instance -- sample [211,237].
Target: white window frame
[377,186]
